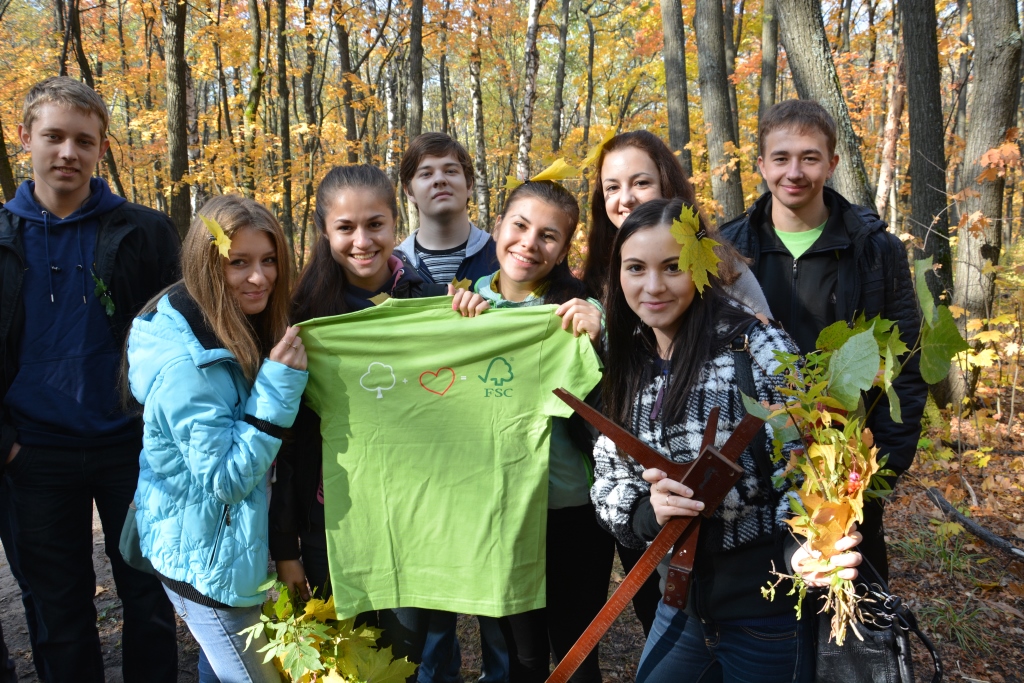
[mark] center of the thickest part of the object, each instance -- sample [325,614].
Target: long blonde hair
[202,271]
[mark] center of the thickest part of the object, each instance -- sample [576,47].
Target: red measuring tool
[710,476]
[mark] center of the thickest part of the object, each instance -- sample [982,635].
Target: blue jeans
[682,649]
[216,630]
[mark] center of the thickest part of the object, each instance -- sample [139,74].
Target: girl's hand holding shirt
[290,351]
[467,303]
[579,316]
[670,498]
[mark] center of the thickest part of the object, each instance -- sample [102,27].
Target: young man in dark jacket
[76,264]
[437,176]
[820,259]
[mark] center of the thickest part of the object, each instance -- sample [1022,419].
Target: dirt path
[108,621]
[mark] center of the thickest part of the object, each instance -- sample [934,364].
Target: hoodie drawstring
[46,241]
[81,256]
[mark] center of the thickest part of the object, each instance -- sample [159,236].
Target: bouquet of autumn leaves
[837,468]
[308,643]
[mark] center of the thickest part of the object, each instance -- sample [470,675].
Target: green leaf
[755,408]
[939,343]
[283,606]
[853,368]
[895,412]
[269,583]
[924,295]
[834,336]
[895,343]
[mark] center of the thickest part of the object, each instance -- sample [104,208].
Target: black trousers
[645,602]
[579,566]
[53,492]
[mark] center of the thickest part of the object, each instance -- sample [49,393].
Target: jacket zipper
[225,521]
[793,298]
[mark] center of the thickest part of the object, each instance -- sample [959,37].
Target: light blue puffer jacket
[202,494]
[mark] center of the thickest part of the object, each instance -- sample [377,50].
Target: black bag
[130,543]
[884,655]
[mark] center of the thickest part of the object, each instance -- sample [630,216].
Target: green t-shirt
[436,435]
[799,242]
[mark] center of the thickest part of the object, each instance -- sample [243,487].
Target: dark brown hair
[433,145]
[800,115]
[562,285]
[710,322]
[674,185]
[321,288]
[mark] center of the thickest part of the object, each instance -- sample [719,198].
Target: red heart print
[437,375]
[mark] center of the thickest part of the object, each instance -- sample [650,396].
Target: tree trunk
[674,55]
[177,133]
[769,64]
[480,184]
[284,125]
[195,151]
[252,104]
[714,91]
[844,27]
[588,110]
[891,135]
[415,115]
[391,152]
[992,111]
[345,57]
[728,20]
[7,183]
[960,87]
[927,172]
[556,117]
[814,74]
[530,91]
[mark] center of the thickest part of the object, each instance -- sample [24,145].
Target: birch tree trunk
[480,184]
[530,91]
[891,135]
[556,115]
[929,220]
[415,114]
[177,135]
[815,77]
[674,55]
[725,177]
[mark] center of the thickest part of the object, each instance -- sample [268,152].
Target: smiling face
[652,284]
[532,237]
[629,178]
[795,165]
[439,187]
[250,269]
[65,144]
[361,231]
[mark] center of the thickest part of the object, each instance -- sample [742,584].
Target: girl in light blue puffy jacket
[219,375]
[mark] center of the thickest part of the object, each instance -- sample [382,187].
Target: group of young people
[180,391]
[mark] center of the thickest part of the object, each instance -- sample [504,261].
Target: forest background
[263,97]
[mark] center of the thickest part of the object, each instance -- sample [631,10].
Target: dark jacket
[296,504]
[481,257]
[136,255]
[855,267]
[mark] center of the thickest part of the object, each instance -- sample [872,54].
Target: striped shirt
[443,264]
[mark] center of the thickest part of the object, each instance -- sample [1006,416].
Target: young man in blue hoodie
[76,264]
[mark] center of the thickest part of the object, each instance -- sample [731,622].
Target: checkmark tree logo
[499,371]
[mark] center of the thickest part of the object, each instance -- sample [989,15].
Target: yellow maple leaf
[511,182]
[697,254]
[218,236]
[378,299]
[595,152]
[559,170]
[464,283]
[831,521]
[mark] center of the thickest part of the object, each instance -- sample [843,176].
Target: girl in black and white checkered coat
[673,354]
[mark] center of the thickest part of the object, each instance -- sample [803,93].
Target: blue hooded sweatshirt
[65,394]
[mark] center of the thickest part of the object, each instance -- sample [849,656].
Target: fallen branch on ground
[978,530]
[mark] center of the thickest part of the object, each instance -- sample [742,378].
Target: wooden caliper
[711,476]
